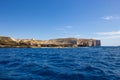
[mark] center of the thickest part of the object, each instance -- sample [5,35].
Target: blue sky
[47,19]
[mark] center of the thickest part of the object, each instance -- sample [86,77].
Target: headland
[8,42]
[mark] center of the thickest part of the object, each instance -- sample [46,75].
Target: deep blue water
[95,63]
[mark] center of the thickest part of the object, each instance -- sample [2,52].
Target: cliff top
[60,42]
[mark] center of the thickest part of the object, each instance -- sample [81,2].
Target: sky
[49,19]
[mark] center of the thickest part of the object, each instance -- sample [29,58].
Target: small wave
[60,64]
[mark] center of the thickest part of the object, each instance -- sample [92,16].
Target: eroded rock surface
[61,42]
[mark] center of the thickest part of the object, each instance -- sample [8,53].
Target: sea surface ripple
[94,63]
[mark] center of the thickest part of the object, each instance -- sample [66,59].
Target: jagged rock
[61,42]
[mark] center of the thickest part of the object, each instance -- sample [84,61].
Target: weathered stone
[61,42]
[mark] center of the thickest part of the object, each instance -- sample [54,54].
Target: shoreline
[53,43]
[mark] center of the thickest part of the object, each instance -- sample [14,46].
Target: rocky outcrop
[88,42]
[7,42]
[61,42]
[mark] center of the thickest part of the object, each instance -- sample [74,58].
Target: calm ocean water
[95,63]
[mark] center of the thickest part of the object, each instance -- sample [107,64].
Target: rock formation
[61,42]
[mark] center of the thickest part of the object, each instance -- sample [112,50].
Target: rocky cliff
[61,42]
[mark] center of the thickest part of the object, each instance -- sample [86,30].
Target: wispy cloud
[67,31]
[110,17]
[68,27]
[77,35]
[108,37]
[109,33]
[64,28]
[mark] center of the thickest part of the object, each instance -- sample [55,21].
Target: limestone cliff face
[7,42]
[88,42]
[61,42]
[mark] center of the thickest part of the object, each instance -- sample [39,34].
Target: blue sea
[89,63]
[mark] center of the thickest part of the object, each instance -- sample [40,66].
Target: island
[8,42]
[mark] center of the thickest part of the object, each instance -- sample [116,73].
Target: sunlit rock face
[61,42]
[7,42]
[88,42]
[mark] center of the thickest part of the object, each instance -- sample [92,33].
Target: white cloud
[109,33]
[110,17]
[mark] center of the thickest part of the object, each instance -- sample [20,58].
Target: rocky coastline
[8,42]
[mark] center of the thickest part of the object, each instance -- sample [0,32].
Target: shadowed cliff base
[60,43]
